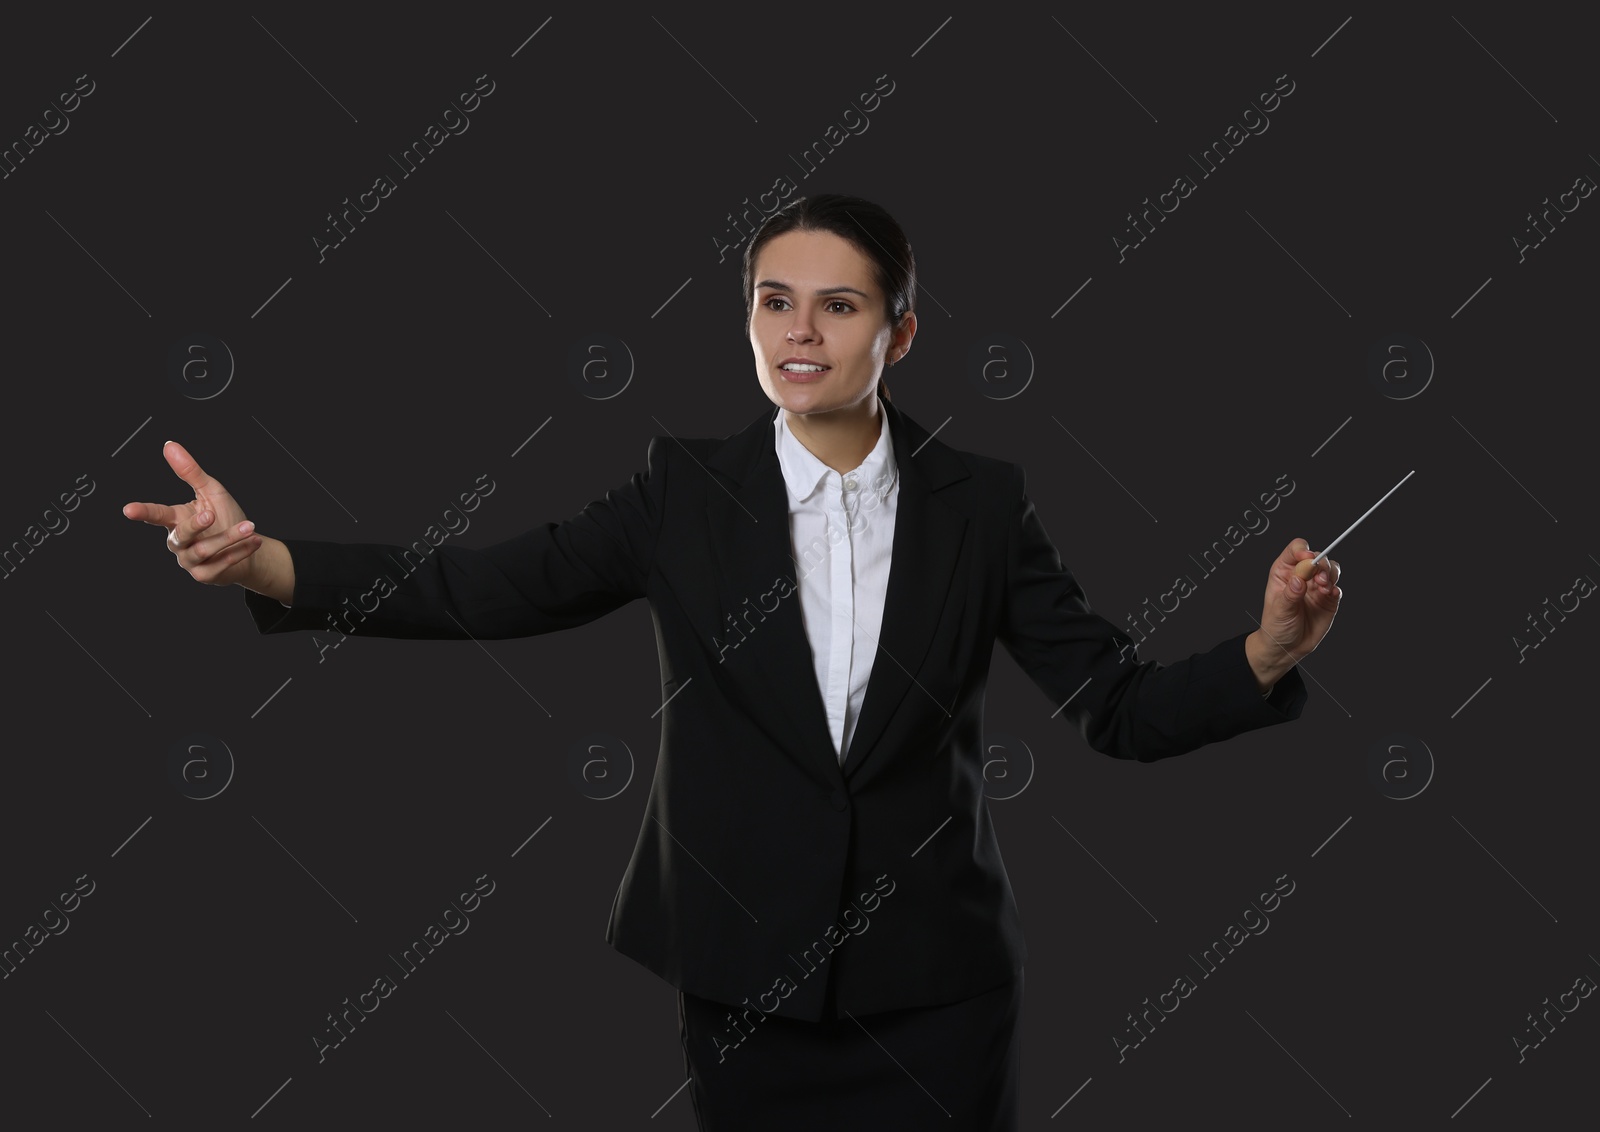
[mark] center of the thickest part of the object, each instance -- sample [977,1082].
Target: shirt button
[838,799]
[850,483]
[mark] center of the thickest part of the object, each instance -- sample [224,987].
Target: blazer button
[838,799]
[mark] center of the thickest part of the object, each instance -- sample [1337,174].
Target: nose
[801,330]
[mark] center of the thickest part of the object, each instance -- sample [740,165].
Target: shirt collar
[804,474]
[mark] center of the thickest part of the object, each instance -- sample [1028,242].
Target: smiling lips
[807,370]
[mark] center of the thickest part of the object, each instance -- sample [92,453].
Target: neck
[840,438]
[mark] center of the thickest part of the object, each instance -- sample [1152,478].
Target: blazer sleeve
[1122,707]
[555,576]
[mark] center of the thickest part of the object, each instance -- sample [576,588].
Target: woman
[827,586]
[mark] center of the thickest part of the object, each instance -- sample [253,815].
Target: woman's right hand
[211,537]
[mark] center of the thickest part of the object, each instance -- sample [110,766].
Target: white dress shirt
[842,529]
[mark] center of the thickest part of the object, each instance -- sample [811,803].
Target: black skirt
[954,1067]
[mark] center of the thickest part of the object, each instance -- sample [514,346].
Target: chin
[796,400]
[788,391]
[807,403]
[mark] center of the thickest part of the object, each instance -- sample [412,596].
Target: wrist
[271,571]
[1268,660]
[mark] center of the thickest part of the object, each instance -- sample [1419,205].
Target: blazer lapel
[928,535]
[752,549]
[748,526]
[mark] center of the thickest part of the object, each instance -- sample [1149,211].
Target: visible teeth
[799,368]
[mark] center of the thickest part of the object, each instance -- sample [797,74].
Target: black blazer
[762,867]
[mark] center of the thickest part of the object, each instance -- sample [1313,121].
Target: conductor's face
[815,298]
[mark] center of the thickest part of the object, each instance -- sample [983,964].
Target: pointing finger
[156,514]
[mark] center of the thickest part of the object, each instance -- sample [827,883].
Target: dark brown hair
[866,226]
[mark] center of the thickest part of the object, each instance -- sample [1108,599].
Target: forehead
[812,260]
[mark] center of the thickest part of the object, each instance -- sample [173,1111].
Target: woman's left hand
[1296,614]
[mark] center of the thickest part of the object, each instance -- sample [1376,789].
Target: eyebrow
[777,286]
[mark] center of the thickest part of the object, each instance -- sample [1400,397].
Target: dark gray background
[1170,392]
